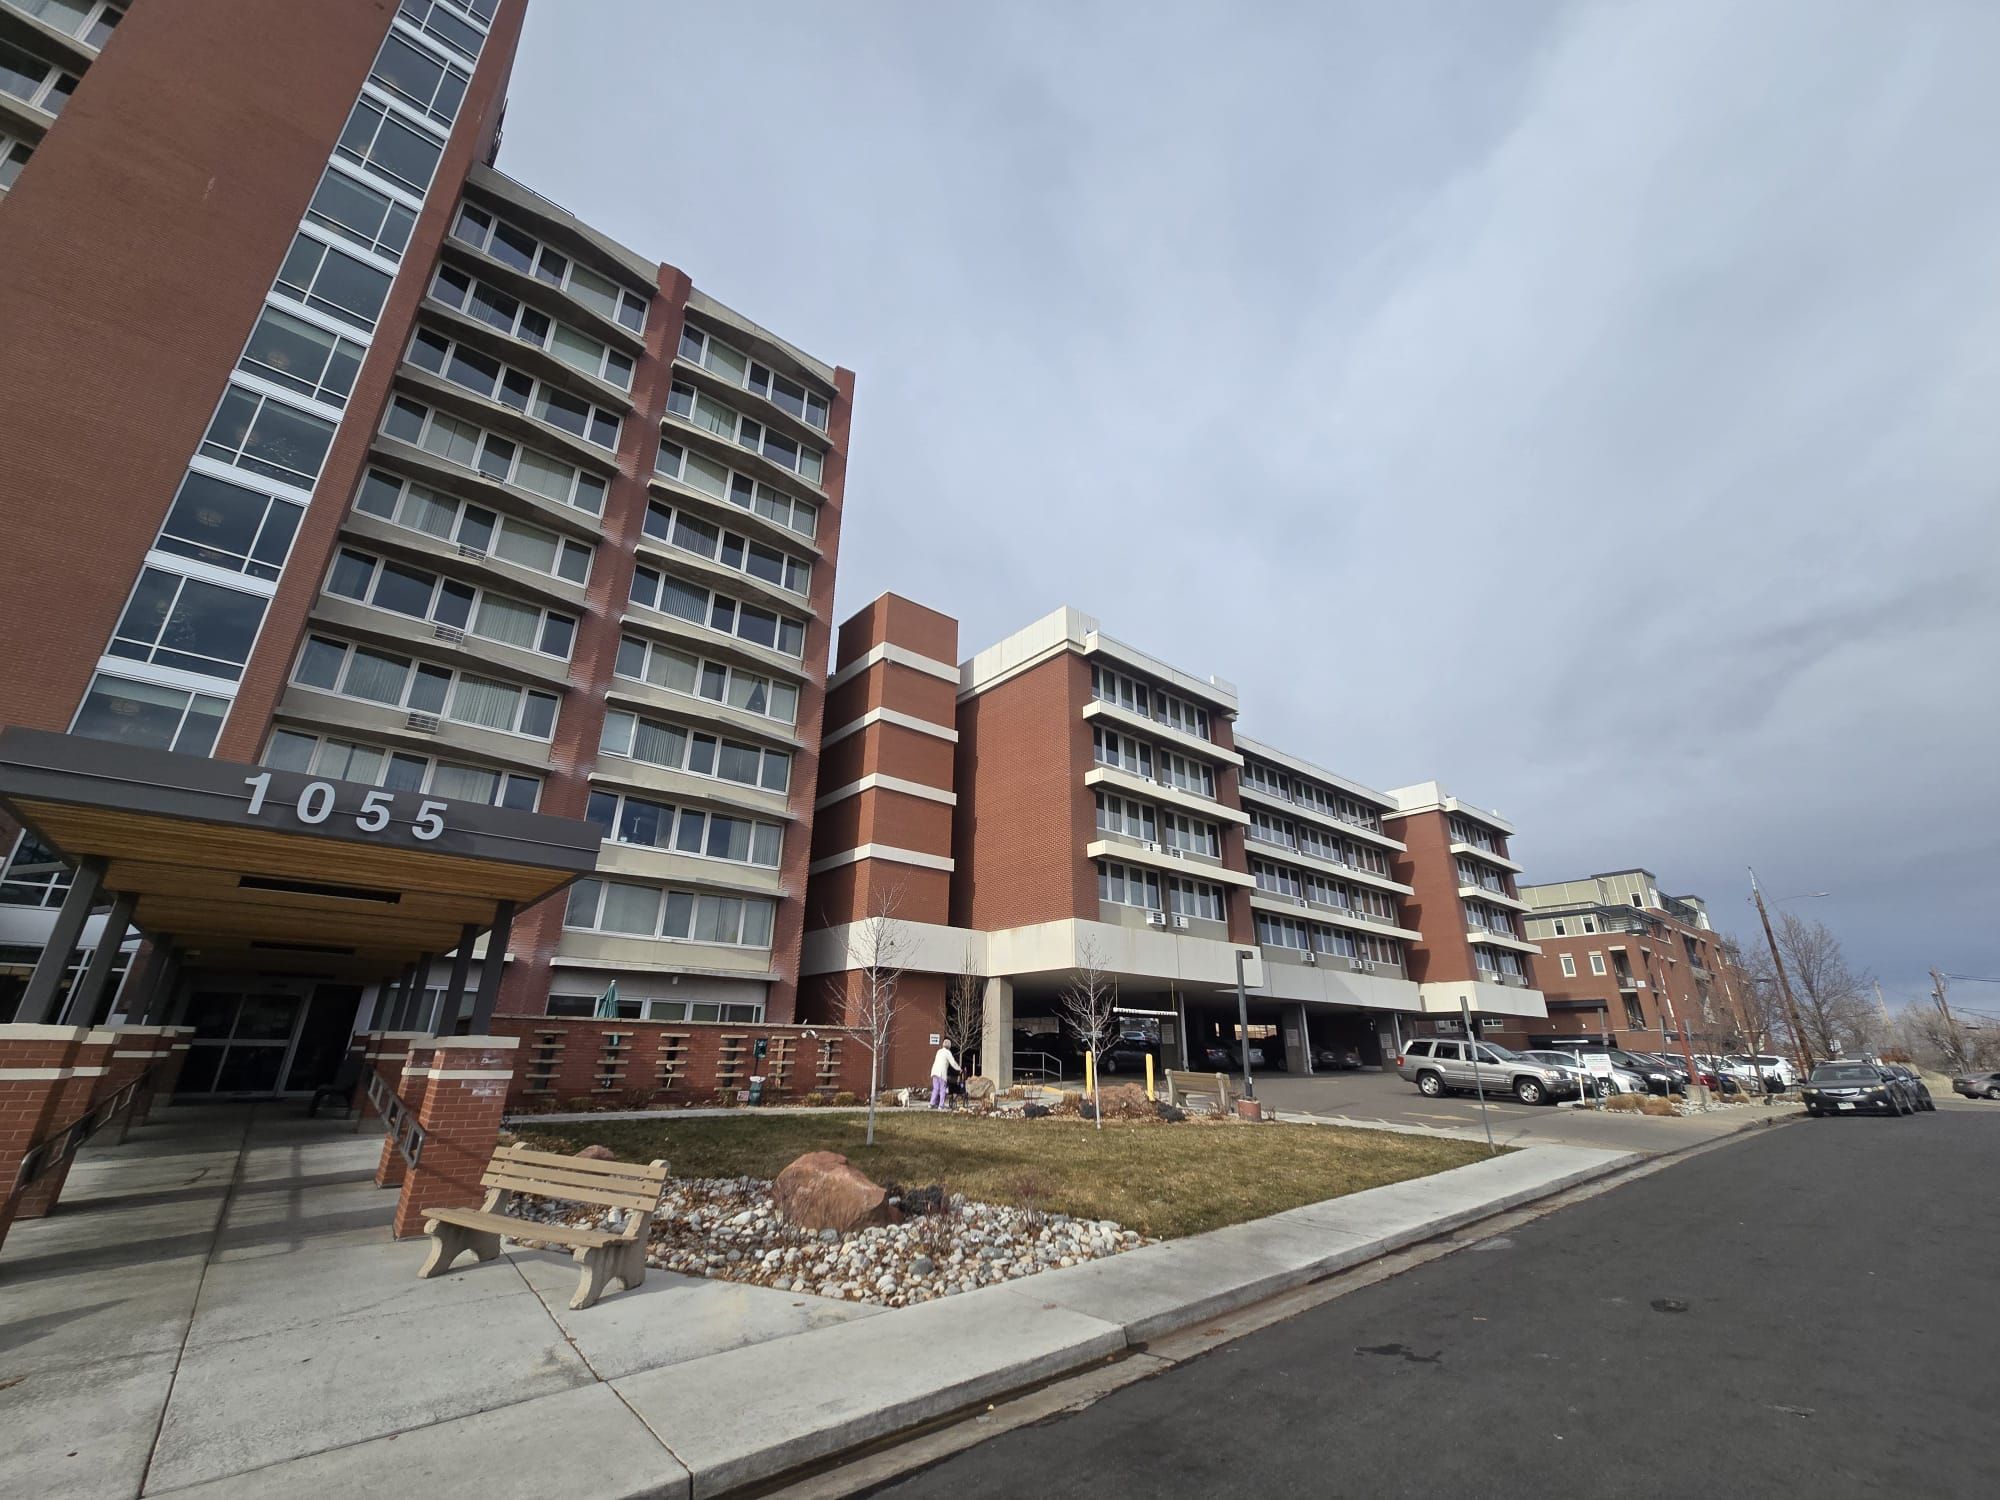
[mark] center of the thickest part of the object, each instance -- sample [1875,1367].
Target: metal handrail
[52,1151]
[397,1120]
[1048,1070]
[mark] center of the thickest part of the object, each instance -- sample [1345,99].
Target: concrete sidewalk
[218,1311]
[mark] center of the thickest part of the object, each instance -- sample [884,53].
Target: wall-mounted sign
[317,802]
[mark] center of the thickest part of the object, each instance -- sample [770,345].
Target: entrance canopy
[277,871]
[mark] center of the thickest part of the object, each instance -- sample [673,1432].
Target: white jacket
[943,1063]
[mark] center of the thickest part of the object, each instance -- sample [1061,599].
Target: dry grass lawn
[1162,1180]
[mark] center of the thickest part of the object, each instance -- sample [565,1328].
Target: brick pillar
[130,1056]
[386,1052]
[35,1073]
[174,1046]
[463,1103]
[409,1082]
[78,1093]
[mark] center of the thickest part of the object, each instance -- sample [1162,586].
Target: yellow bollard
[1089,1075]
[1150,1095]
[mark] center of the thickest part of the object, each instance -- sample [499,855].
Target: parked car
[1977,1085]
[1853,1087]
[1227,1057]
[1654,1077]
[1777,1072]
[1335,1060]
[1441,1065]
[1617,1081]
[1913,1085]
[1127,1054]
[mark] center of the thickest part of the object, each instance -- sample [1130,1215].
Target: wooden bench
[606,1255]
[1182,1085]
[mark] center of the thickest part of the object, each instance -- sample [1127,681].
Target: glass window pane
[630,908]
[135,713]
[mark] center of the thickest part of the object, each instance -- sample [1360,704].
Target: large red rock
[821,1190]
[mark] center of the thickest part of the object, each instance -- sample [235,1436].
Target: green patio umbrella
[607,1008]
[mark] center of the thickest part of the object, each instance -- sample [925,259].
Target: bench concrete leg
[600,1266]
[449,1241]
[632,1264]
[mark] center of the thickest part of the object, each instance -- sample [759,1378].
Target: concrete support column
[1298,1060]
[497,937]
[38,1001]
[454,990]
[996,1033]
[35,1063]
[421,1018]
[464,1099]
[73,1100]
[164,973]
[81,1007]
[409,1086]
[403,1016]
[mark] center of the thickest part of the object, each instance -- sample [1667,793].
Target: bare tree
[1753,984]
[880,945]
[1086,1004]
[965,1012]
[1833,1009]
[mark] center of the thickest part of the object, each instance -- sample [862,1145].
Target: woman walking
[941,1067]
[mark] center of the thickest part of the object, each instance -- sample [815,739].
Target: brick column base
[131,1055]
[78,1092]
[35,1063]
[173,1056]
[463,1103]
[409,1084]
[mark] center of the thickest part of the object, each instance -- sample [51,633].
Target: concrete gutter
[750,1416]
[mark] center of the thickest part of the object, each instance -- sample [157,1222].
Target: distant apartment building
[1097,810]
[1624,962]
[330,447]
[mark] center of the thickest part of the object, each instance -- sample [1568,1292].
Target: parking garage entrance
[269,900]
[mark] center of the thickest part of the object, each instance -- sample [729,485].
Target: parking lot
[1384,1098]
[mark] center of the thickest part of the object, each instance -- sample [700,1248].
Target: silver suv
[1441,1065]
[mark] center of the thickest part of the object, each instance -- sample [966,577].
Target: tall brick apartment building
[330,448]
[1078,802]
[1624,962]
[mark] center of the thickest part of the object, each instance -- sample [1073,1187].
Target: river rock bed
[727,1228]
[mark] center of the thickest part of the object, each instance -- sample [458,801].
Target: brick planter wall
[465,1094]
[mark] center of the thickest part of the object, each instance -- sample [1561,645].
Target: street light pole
[1243,1027]
[1801,1050]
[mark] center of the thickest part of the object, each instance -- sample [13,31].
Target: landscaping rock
[1171,1112]
[822,1190]
[1035,1111]
[597,1153]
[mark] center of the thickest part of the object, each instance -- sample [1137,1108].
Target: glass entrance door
[242,1041]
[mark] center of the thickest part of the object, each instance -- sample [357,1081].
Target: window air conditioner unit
[1300,901]
[1181,922]
[1178,853]
[1357,963]
[1312,957]
[422,723]
[1156,919]
[1149,846]
[466,549]
[448,633]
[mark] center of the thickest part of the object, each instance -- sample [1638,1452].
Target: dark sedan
[1855,1088]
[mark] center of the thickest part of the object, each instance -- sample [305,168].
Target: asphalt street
[1812,1309]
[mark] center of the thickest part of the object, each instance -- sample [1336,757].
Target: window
[1635,1015]
[1126,815]
[698,754]
[690,533]
[505,242]
[1569,966]
[1597,964]
[34,80]
[376,139]
[418,79]
[486,376]
[699,472]
[1127,885]
[229,526]
[424,595]
[686,830]
[705,412]
[1121,752]
[508,538]
[1279,880]
[1188,775]
[1195,898]
[677,671]
[255,432]
[371,219]
[333,282]
[445,22]
[399,770]
[1282,932]
[302,357]
[148,715]
[615,907]
[13,156]
[704,349]
[1137,697]
[507,313]
[394,681]
[1192,835]
[499,459]
[189,624]
[699,606]
[89,21]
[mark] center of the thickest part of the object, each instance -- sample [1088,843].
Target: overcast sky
[1595,407]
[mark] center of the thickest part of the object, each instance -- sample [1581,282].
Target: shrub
[1625,1102]
[844,1098]
[1653,1105]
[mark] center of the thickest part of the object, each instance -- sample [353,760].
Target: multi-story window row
[457,608]
[1180,897]
[675,747]
[169,672]
[717,611]
[676,462]
[699,409]
[1134,819]
[503,311]
[1319,890]
[1316,843]
[487,377]
[1501,963]
[428,691]
[478,532]
[795,398]
[499,459]
[621,909]
[1487,918]
[1363,950]
[693,831]
[1122,752]
[86,22]
[1274,782]
[1137,696]
[689,533]
[674,671]
[491,234]
[399,770]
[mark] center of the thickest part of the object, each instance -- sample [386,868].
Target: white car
[1613,1080]
[1763,1067]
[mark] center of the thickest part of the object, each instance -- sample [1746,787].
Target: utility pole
[1959,1057]
[1800,1047]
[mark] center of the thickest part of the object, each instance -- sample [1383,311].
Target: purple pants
[938,1091]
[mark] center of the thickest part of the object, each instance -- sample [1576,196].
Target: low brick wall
[566,1063]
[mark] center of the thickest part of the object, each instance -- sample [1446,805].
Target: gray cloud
[1589,405]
